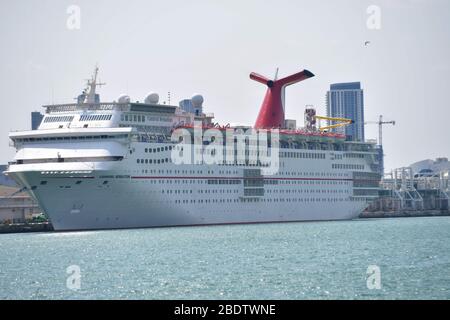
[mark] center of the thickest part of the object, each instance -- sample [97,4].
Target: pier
[407,194]
[26,227]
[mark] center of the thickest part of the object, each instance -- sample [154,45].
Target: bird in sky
[366,43]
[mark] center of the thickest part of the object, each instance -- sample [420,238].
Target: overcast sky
[210,47]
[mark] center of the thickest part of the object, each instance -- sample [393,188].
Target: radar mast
[91,87]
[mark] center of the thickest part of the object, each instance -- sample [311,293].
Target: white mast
[92,85]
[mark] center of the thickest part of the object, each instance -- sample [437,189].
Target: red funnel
[271,114]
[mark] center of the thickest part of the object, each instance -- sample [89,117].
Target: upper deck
[152,121]
[154,118]
[111,106]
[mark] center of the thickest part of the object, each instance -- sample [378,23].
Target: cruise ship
[96,165]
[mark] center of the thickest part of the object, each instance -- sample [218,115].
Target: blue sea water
[317,260]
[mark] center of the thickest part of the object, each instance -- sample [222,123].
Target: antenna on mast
[91,87]
[276,75]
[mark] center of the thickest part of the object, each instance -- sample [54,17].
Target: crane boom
[342,122]
[380,124]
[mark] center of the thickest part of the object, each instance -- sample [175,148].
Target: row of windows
[281,173]
[95,117]
[256,192]
[303,155]
[192,201]
[309,191]
[191,171]
[348,166]
[71,138]
[141,118]
[307,175]
[162,130]
[150,150]
[59,119]
[354,155]
[299,155]
[226,151]
[246,163]
[153,161]
[133,118]
[350,148]
[208,191]
[297,200]
[236,162]
[224,181]
[252,192]
[266,181]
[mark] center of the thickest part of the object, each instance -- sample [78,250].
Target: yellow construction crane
[342,122]
[311,119]
[380,124]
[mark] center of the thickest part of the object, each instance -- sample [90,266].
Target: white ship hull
[122,194]
[135,204]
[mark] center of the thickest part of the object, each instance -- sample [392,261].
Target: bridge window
[95,117]
[58,119]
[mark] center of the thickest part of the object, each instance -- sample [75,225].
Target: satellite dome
[197,100]
[123,98]
[152,98]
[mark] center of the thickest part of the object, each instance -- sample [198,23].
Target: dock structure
[16,207]
[404,193]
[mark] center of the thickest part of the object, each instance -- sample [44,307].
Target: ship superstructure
[94,165]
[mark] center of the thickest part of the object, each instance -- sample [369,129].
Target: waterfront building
[15,206]
[346,100]
[431,167]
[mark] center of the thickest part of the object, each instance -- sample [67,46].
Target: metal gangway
[400,182]
[405,191]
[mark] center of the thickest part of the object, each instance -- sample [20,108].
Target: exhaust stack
[271,114]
